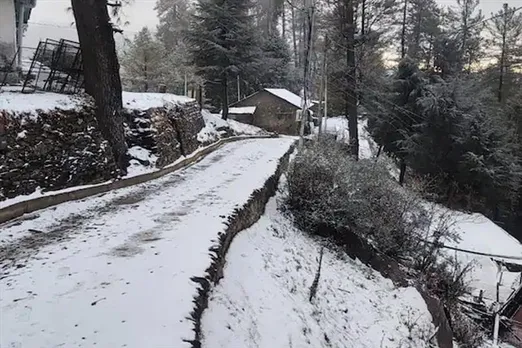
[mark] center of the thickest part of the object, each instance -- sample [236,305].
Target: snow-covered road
[114,270]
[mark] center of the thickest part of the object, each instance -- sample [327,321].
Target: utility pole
[185,85]
[323,85]
[238,88]
[351,79]
[309,27]
[325,97]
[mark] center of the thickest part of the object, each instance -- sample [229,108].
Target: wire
[473,252]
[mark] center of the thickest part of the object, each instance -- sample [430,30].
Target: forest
[440,86]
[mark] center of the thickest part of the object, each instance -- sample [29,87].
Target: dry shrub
[327,188]
[466,331]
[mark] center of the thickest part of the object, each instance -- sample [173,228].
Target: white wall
[7,28]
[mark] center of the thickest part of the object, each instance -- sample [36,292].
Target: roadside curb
[241,219]
[18,209]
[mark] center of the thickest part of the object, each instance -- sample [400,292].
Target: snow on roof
[285,94]
[242,110]
[478,233]
[145,101]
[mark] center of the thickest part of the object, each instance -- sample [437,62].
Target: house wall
[243,118]
[272,113]
[7,31]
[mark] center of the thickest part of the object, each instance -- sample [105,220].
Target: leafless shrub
[327,188]
[467,332]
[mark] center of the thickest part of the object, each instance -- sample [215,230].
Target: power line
[473,252]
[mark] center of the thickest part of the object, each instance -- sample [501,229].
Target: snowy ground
[215,128]
[477,233]
[114,270]
[262,301]
[339,127]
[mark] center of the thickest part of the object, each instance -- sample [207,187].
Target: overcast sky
[50,18]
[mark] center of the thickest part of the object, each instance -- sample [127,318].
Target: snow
[114,270]
[137,168]
[242,110]
[285,94]
[213,122]
[263,299]
[338,126]
[18,103]
[15,102]
[21,135]
[244,129]
[145,101]
[478,233]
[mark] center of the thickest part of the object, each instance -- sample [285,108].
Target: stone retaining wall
[63,148]
[240,220]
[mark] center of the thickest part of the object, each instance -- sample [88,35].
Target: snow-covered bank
[216,128]
[263,299]
[338,126]
[123,276]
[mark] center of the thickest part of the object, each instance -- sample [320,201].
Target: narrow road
[114,270]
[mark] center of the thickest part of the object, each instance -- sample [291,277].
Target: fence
[56,66]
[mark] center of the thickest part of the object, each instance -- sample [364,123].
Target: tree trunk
[503,58]
[283,21]
[146,87]
[402,173]
[224,97]
[351,79]
[294,39]
[322,87]
[102,73]
[363,18]
[403,34]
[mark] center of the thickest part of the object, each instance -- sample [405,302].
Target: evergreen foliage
[142,63]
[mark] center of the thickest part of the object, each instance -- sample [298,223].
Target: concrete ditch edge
[241,219]
[18,209]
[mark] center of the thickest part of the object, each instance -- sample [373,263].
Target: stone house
[273,109]
[14,15]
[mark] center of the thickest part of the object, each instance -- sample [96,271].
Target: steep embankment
[263,299]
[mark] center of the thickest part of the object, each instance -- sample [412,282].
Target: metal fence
[56,66]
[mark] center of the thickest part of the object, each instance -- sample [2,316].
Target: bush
[329,189]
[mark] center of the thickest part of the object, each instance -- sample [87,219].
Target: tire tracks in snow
[15,254]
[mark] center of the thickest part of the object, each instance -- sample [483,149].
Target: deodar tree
[222,42]
[102,72]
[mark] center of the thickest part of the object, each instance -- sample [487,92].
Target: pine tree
[179,73]
[142,62]
[423,23]
[222,43]
[174,19]
[466,25]
[271,68]
[507,39]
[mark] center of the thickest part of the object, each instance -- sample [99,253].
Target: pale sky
[50,18]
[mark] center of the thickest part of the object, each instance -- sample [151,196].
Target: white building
[14,15]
